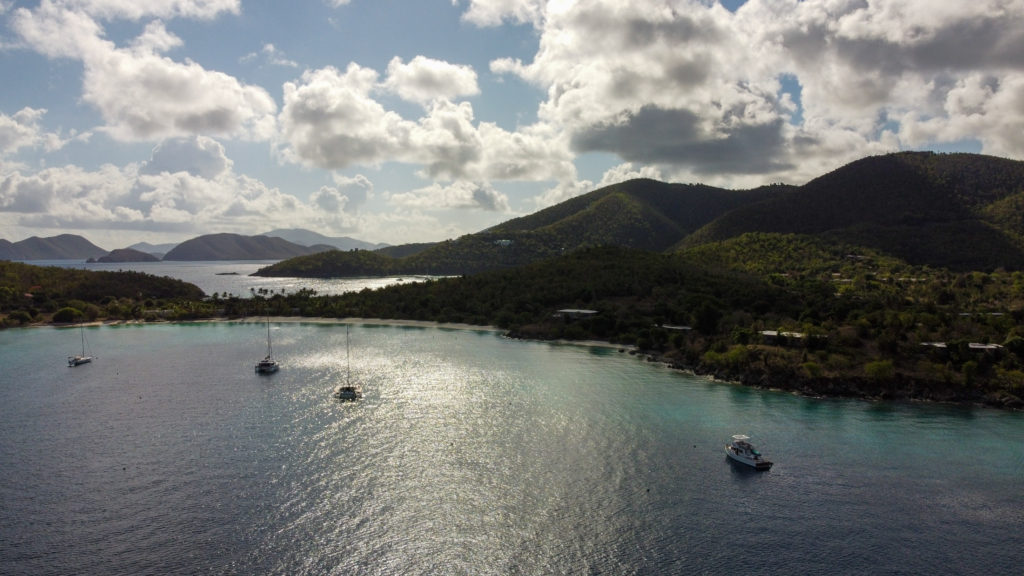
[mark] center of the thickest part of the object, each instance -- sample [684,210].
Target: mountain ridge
[305,237]
[926,208]
[958,211]
[60,247]
[641,214]
[226,246]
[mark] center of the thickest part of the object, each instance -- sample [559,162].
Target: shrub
[812,369]
[20,316]
[879,370]
[66,314]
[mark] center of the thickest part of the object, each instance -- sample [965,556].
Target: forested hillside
[33,293]
[642,214]
[958,211]
[896,276]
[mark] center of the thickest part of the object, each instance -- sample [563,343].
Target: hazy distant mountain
[238,247]
[128,255]
[310,238]
[7,250]
[157,250]
[62,247]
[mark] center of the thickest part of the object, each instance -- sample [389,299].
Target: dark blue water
[471,454]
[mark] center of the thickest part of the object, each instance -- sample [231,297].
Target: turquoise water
[471,454]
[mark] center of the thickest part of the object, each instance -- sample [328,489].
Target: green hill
[959,211]
[38,293]
[640,214]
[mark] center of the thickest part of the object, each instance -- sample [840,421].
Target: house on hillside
[574,313]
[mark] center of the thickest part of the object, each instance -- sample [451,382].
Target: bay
[233,277]
[471,454]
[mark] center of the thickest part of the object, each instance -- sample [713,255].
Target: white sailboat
[348,390]
[268,365]
[79,359]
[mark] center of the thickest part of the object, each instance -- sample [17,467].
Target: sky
[401,121]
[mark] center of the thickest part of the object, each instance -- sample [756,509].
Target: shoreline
[341,321]
[804,388]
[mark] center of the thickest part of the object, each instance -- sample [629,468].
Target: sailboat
[348,390]
[79,359]
[268,365]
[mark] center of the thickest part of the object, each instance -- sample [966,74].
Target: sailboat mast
[270,348]
[348,362]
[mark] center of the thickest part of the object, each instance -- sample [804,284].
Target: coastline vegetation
[838,323]
[896,276]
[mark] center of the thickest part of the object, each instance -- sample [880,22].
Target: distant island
[274,245]
[237,247]
[62,247]
[127,255]
[894,277]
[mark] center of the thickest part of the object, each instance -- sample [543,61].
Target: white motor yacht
[741,450]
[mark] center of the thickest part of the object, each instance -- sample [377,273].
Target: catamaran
[348,390]
[79,359]
[268,365]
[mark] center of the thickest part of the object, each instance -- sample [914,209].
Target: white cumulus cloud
[141,93]
[423,80]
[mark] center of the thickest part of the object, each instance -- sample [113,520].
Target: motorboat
[741,450]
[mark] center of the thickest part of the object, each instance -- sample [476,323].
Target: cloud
[202,195]
[271,56]
[357,190]
[627,171]
[198,156]
[22,130]
[494,12]
[332,119]
[131,10]
[459,195]
[329,200]
[425,79]
[141,94]
[669,137]
[778,89]
[976,104]
[67,194]
[561,192]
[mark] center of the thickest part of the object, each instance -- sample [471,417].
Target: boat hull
[78,360]
[348,393]
[759,464]
[266,367]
